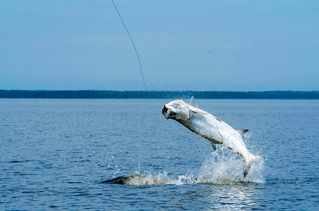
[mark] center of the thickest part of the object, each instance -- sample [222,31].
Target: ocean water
[64,155]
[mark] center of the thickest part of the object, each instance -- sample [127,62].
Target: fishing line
[132,43]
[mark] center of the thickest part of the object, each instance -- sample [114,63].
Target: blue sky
[183,45]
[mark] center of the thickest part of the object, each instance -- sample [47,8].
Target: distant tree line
[95,94]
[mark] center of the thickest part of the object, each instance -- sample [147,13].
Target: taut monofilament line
[139,62]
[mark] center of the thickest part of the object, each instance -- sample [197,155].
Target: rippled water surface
[56,154]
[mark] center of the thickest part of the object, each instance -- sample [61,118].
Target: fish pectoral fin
[213,145]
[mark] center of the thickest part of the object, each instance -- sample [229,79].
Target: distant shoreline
[101,94]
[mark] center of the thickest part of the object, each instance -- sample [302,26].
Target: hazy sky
[183,45]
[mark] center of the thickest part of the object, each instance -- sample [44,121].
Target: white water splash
[225,166]
[219,168]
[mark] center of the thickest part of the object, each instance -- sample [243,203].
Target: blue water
[55,154]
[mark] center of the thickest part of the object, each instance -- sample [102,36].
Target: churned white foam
[220,167]
[226,167]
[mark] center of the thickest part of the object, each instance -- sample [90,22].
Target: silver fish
[210,127]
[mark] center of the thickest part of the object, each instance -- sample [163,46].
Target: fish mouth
[166,112]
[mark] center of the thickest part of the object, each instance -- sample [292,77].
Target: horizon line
[153,90]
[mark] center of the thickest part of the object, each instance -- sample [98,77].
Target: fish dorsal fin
[242,132]
[193,103]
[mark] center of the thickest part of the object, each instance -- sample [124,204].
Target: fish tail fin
[248,161]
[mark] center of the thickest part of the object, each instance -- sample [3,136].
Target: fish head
[177,110]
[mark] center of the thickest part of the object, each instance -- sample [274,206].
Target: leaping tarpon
[210,127]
